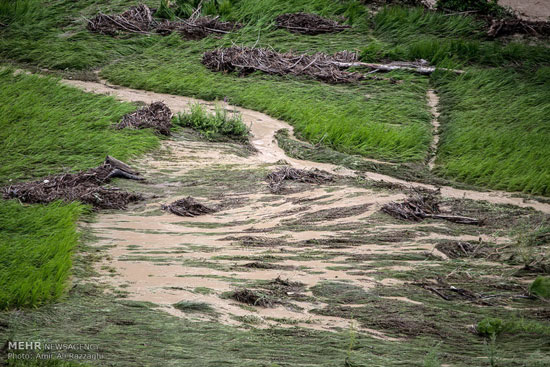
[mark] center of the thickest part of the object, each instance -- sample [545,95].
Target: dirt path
[433,102]
[293,249]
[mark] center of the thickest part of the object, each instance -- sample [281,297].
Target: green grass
[496,130]
[36,244]
[46,128]
[219,125]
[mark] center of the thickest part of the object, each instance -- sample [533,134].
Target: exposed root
[276,178]
[252,298]
[187,207]
[157,116]
[308,23]
[246,60]
[420,206]
[83,186]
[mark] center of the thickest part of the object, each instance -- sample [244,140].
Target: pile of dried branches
[504,27]
[423,205]
[83,186]
[252,298]
[245,60]
[308,23]
[197,28]
[276,178]
[137,19]
[187,207]
[157,116]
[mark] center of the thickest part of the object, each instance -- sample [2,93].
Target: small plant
[193,306]
[219,125]
[165,11]
[541,287]
[490,326]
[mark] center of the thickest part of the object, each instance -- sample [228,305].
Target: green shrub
[540,287]
[490,326]
[214,126]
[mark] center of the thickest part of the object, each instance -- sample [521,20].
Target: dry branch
[157,116]
[276,178]
[197,28]
[187,207]
[85,186]
[137,19]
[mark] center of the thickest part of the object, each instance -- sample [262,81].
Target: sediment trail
[263,129]
[433,102]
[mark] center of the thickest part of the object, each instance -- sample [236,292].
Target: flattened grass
[36,244]
[496,129]
[46,127]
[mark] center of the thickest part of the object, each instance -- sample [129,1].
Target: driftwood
[306,23]
[420,206]
[85,186]
[187,207]
[327,68]
[276,178]
[156,116]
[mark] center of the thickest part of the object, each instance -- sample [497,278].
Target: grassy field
[375,119]
[48,128]
[36,244]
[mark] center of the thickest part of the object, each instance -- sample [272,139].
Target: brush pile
[137,19]
[504,27]
[197,28]
[306,23]
[85,186]
[276,178]
[187,207]
[245,60]
[157,116]
[420,206]
[251,297]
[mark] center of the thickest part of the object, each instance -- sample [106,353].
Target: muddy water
[162,258]
[263,129]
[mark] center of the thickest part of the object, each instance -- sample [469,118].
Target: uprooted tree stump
[306,23]
[420,206]
[156,116]
[85,186]
[277,178]
[187,207]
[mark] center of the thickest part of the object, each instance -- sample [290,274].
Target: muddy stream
[162,258]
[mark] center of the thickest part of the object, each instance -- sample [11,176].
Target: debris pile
[251,297]
[85,186]
[157,116]
[137,19]
[197,28]
[504,27]
[245,60]
[187,207]
[276,178]
[459,249]
[420,206]
[308,23]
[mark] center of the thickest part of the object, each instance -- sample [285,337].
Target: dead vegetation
[420,206]
[306,23]
[139,19]
[187,207]
[156,116]
[461,249]
[505,27]
[85,186]
[255,241]
[246,60]
[252,298]
[277,178]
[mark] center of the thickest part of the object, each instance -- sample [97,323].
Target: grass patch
[193,306]
[495,130]
[36,244]
[220,125]
[46,128]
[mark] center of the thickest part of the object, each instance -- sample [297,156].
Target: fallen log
[415,67]
[455,218]
[115,163]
